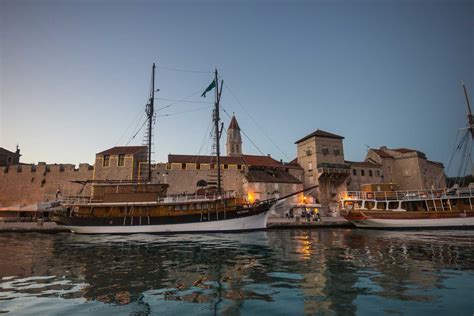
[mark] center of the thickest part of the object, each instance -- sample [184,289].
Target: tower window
[362,172]
[121,160]
[354,172]
[106,161]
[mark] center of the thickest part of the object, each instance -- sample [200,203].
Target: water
[279,272]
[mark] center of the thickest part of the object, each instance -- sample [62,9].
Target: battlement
[43,167]
[31,183]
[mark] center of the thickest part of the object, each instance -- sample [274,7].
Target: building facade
[123,163]
[321,156]
[364,172]
[408,168]
[8,157]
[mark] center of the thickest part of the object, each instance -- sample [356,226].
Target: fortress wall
[27,184]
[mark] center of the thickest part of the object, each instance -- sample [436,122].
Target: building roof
[439,164]
[123,150]
[408,150]
[367,164]
[272,175]
[233,123]
[204,159]
[6,151]
[319,133]
[381,153]
[249,160]
[263,161]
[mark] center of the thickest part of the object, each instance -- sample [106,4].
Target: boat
[389,208]
[144,207]
[444,208]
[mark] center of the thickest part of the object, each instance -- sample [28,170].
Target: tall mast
[469,114]
[217,133]
[150,112]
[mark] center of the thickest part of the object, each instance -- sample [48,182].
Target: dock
[325,222]
[31,227]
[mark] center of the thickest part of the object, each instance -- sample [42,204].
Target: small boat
[144,206]
[410,209]
[444,208]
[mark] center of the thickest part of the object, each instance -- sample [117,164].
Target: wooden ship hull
[400,220]
[163,218]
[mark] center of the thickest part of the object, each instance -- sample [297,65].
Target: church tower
[234,140]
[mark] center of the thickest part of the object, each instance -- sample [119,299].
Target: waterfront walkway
[273,223]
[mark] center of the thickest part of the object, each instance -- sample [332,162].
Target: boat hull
[411,221]
[251,222]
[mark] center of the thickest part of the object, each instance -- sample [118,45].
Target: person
[308,215]
[317,217]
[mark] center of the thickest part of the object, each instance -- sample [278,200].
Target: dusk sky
[75,75]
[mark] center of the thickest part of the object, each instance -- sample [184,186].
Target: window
[354,172]
[237,148]
[121,160]
[9,159]
[325,151]
[362,172]
[336,151]
[310,166]
[389,170]
[239,167]
[106,161]
[183,166]
[378,173]
[198,166]
[226,166]
[370,173]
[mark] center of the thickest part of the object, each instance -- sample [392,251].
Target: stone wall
[27,184]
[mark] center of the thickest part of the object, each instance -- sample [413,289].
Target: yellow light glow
[250,197]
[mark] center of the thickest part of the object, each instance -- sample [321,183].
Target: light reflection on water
[281,272]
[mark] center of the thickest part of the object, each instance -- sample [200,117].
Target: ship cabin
[409,201]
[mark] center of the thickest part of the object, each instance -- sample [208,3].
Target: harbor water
[276,272]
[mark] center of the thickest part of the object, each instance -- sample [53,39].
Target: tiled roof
[319,133]
[367,164]
[270,176]
[249,160]
[204,159]
[233,123]
[382,153]
[408,150]
[439,164]
[123,150]
[263,161]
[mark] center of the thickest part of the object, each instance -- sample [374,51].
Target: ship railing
[407,195]
[196,197]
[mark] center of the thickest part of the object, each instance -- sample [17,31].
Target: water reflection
[283,272]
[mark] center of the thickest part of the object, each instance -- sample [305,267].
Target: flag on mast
[211,86]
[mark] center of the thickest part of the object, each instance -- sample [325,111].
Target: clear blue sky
[75,74]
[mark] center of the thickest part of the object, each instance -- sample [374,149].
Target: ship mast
[217,132]
[469,114]
[150,109]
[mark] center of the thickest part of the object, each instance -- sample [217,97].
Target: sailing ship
[144,207]
[386,208]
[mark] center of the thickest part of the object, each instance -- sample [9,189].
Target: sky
[75,75]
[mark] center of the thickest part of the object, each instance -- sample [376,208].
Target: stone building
[408,168]
[257,177]
[321,155]
[8,157]
[121,163]
[234,139]
[364,172]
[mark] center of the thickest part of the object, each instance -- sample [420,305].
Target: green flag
[211,86]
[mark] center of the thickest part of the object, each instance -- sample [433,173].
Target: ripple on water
[278,272]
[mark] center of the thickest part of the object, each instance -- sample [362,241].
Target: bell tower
[234,139]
